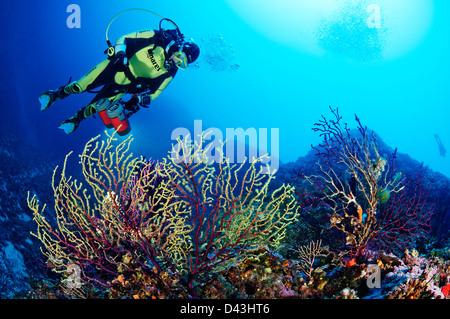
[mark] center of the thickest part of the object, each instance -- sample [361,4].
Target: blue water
[264,64]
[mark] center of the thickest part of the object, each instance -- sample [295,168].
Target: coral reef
[142,224]
[367,201]
[265,274]
[352,220]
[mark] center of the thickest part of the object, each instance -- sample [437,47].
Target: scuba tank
[118,118]
[101,107]
[113,116]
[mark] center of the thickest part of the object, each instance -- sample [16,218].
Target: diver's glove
[132,104]
[120,61]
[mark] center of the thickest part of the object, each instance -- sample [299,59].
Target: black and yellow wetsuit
[148,70]
[142,62]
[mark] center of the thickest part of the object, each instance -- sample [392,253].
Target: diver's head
[183,53]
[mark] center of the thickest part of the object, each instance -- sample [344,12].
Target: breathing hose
[110,49]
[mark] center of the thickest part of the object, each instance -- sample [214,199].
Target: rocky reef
[23,168]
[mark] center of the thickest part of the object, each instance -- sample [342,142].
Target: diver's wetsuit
[147,71]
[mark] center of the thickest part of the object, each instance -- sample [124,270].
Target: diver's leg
[102,74]
[51,96]
[72,123]
[96,77]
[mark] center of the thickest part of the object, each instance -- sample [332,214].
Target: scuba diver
[141,63]
[442,149]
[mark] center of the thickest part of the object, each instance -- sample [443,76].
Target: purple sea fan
[148,208]
[144,186]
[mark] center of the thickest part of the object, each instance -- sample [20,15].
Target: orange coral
[360,213]
[379,263]
[351,263]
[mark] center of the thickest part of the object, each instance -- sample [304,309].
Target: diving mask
[182,53]
[180,59]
